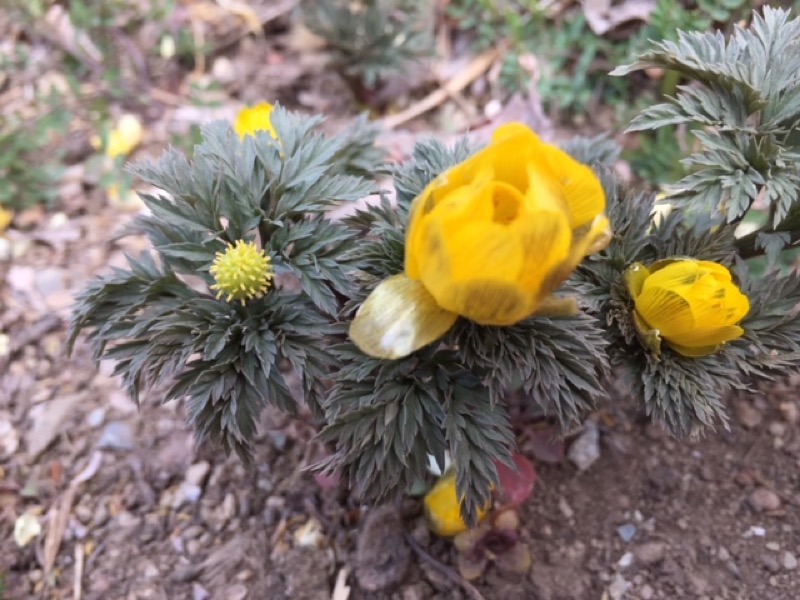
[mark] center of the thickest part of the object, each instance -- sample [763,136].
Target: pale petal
[397,318]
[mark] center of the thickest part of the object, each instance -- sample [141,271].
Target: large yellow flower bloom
[254,118]
[489,240]
[693,305]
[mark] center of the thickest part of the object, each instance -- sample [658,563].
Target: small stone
[764,500]
[127,519]
[789,561]
[185,493]
[723,553]
[777,429]
[9,438]
[151,571]
[382,555]
[416,591]
[625,561]
[747,415]
[117,435]
[754,531]
[565,508]
[618,588]
[789,412]
[237,591]
[626,532]
[199,592]
[197,472]
[96,418]
[228,507]
[50,280]
[646,593]
[650,552]
[192,547]
[769,563]
[585,450]
[774,546]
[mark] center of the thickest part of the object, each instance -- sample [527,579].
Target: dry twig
[451,88]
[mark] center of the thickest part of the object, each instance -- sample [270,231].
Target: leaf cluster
[26,176]
[371,39]
[158,318]
[744,107]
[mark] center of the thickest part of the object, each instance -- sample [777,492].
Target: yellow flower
[489,240]
[254,118]
[123,138]
[691,304]
[442,508]
[241,271]
[6,216]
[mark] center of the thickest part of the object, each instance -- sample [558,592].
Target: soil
[131,509]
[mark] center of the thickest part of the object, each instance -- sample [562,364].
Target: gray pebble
[650,552]
[770,563]
[117,435]
[789,561]
[763,499]
[626,532]
[585,450]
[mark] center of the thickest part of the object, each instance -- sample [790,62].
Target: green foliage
[370,39]
[745,106]
[29,168]
[158,318]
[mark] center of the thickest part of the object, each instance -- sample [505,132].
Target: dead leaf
[27,527]
[477,67]
[47,423]
[59,28]
[341,591]
[58,515]
[604,15]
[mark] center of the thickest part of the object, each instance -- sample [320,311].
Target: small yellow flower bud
[443,509]
[241,271]
[692,305]
[254,118]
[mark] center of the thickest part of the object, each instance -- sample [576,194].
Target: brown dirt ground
[156,518]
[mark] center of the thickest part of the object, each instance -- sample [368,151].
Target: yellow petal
[487,302]
[699,345]
[664,310]
[582,190]
[709,337]
[254,118]
[6,216]
[450,198]
[443,509]
[397,318]
[678,276]
[125,136]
